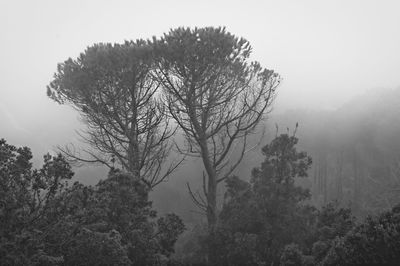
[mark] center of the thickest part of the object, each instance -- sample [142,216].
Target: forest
[193,167]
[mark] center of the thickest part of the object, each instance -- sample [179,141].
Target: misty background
[339,60]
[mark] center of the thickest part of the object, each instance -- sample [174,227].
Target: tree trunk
[211,202]
[212,218]
[133,148]
[133,160]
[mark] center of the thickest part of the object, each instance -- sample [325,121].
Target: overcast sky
[326,51]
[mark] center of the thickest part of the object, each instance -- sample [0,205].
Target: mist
[339,62]
[327,53]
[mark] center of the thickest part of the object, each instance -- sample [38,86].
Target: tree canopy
[112,87]
[217,96]
[46,221]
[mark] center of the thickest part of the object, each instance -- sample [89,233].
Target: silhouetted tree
[216,96]
[45,221]
[112,88]
[25,199]
[259,218]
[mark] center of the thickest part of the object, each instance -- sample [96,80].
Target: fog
[339,62]
[326,52]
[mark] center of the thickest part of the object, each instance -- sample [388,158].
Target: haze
[292,190]
[326,51]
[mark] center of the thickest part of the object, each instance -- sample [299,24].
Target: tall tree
[216,96]
[111,87]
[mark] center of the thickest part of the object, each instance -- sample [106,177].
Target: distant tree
[216,96]
[113,89]
[259,218]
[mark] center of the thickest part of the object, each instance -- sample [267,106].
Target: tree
[111,87]
[375,241]
[293,256]
[25,199]
[216,96]
[117,211]
[332,222]
[46,221]
[260,217]
[96,248]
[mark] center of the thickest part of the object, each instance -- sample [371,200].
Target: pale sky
[326,51]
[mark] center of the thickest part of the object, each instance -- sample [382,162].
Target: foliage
[95,248]
[124,207]
[375,241]
[111,85]
[44,221]
[259,218]
[212,90]
[292,255]
[25,197]
[330,222]
[191,247]
[216,96]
